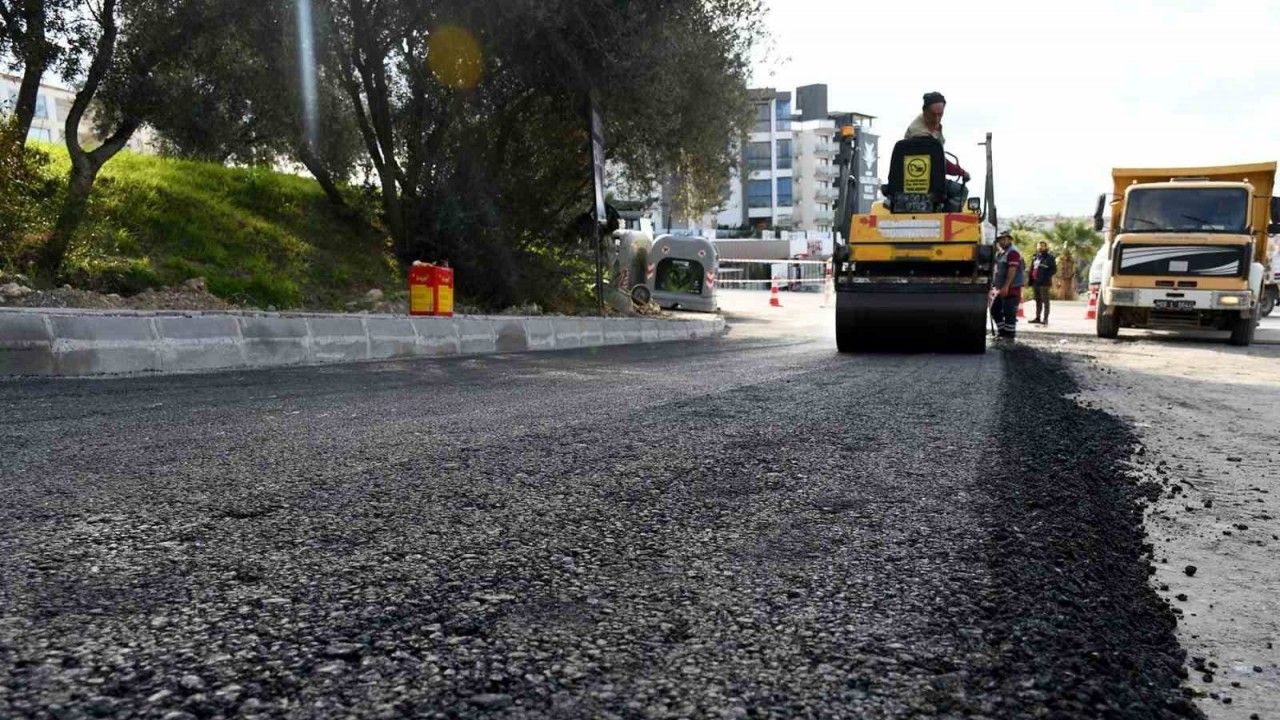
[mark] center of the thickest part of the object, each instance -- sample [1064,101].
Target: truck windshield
[1187,210]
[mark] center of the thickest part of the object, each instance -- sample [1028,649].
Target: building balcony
[826,172]
[821,150]
[827,195]
[824,217]
[824,150]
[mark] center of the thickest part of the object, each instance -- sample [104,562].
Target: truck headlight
[1120,297]
[1233,299]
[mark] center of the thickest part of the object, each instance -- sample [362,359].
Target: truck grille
[1184,260]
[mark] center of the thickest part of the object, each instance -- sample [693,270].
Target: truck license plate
[1175,304]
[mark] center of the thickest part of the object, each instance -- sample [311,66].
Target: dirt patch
[191,295]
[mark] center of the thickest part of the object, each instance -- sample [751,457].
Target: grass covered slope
[260,238]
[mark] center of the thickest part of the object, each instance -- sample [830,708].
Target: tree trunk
[322,176]
[393,208]
[79,187]
[33,52]
[28,92]
[1065,279]
[85,165]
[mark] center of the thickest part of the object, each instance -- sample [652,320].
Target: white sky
[1069,90]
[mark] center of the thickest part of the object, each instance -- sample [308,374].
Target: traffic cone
[774,300]
[1091,311]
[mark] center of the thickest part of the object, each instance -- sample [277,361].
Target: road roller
[912,272]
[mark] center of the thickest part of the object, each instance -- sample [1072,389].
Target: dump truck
[911,273]
[1188,249]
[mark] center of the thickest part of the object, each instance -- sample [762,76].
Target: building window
[784,192]
[784,154]
[42,106]
[759,194]
[41,134]
[764,121]
[784,114]
[759,157]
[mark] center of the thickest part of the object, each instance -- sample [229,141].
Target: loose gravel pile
[743,531]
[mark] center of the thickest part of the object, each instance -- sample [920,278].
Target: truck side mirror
[1097,213]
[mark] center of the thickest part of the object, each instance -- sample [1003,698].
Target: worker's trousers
[1042,302]
[1004,311]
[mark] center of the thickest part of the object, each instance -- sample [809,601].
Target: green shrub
[22,188]
[126,276]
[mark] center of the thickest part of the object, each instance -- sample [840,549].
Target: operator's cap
[1004,234]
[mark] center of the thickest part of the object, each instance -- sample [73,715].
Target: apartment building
[787,174]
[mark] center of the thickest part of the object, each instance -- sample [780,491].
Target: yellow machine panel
[918,169]
[949,252]
[922,228]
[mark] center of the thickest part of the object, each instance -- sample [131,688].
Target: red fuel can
[430,290]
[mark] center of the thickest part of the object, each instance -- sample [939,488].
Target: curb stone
[86,343]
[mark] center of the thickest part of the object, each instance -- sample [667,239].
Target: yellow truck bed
[1260,175]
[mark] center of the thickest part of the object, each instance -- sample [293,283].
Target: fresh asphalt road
[754,526]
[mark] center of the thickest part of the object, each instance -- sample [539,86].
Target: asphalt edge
[1071,596]
[47,343]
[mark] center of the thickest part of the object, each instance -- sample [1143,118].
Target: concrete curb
[86,343]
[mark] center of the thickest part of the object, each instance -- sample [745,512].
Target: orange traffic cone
[1091,311]
[774,301]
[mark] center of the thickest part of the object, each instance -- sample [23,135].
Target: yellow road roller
[912,272]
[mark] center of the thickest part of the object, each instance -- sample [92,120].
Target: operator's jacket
[919,128]
[1043,267]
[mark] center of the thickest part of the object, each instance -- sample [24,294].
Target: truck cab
[1188,249]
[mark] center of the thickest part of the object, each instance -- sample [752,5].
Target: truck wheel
[1242,331]
[1268,302]
[1108,325]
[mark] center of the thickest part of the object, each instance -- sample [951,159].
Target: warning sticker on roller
[917,171]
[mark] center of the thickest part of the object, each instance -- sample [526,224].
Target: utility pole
[595,129]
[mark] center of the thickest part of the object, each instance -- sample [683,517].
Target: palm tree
[1075,243]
